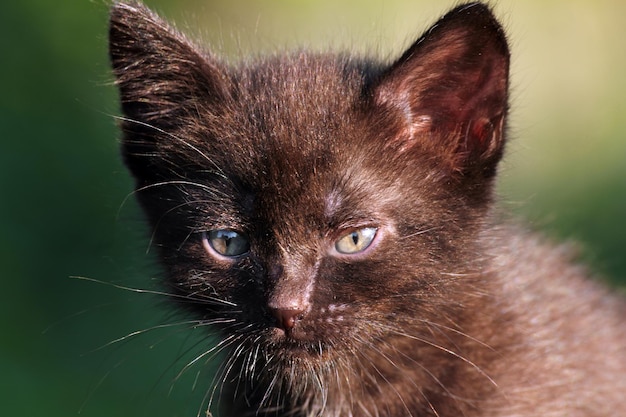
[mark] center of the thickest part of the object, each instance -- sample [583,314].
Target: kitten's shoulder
[572,354]
[530,269]
[528,260]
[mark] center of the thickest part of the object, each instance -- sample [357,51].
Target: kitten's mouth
[296,344]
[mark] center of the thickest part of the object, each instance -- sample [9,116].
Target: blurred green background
[62,186]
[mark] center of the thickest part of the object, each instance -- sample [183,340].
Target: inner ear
[450,89]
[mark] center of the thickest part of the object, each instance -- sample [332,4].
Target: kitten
[332,218]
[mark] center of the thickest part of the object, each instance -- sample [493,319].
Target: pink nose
[286,318]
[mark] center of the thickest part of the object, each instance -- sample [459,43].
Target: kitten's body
[254,176]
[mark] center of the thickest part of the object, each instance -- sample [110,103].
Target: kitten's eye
[226,242]
[356,241]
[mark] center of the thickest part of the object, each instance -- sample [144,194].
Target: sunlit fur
[447,312]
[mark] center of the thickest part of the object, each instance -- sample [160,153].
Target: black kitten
[332,216]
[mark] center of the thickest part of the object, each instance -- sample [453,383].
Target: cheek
[358,283]
[199,272]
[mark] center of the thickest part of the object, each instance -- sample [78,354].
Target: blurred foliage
[63,188]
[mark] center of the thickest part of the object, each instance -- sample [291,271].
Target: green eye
[356,241]
[226,242]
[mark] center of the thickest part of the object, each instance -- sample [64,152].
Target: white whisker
[420,232]
[444,349]
[160,293]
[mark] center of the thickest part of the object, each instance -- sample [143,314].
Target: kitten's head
[314,204]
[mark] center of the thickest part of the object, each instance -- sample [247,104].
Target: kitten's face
[318,209]
[306,212]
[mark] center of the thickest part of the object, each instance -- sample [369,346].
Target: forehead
[295,142]
[296,116]
[298,100]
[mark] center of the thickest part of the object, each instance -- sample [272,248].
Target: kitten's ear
[163,82]
[158,70]
[450,89]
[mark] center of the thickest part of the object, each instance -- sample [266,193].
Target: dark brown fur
[448,314]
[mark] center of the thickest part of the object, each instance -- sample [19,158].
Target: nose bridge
[293,282]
